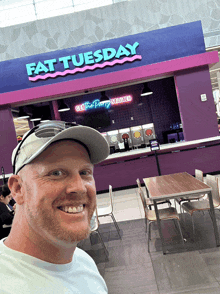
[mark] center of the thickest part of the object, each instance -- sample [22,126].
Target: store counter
[7,176]
[122,169]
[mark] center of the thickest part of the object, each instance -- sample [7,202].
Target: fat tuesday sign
[82,62]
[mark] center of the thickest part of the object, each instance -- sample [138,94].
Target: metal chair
[108,210]
[94,225]
[180,200]
[164,214]
[202,205]
[149,202]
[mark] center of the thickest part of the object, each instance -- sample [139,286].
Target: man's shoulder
[83,258]
[77,277]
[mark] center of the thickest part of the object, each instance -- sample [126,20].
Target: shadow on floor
[189,268]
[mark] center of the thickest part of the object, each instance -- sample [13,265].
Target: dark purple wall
[199,118]
[164,105]
[8,140]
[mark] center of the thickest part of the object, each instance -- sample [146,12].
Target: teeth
[72,209]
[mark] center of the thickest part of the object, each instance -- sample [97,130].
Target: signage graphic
[82,62]
[154,145]
[95,104]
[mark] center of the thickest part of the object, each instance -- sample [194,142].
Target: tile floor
[193,268]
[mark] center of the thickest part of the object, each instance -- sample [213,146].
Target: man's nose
[76,185]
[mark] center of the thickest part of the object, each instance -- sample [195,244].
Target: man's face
[59,193]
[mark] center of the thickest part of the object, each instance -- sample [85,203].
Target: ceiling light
[44,118]
[63,107]
[146,90]
[212,70]
[22,114]
[104,98]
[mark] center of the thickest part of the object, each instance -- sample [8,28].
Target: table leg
[148,196]
[159,227]
[212,212]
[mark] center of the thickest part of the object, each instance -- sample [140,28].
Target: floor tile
[129,255]
[182,272]
[130,279]
[209,290]
[212,260]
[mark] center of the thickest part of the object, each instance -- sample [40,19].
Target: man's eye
[85,172]
[57,173]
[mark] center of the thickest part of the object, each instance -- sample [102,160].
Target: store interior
[154,115]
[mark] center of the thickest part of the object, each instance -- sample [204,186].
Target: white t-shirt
[24,274]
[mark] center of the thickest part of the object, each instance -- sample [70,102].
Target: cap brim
[97,145]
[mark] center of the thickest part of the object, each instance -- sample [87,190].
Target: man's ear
[15,186]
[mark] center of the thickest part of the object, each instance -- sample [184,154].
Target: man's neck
[57,253]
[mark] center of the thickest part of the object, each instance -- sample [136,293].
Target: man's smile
[72,209]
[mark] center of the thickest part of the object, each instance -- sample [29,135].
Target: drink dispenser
[106,136]
[113,140]
[137,136]
[125,138]
[149,132]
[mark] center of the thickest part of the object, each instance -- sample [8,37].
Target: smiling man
[54,190]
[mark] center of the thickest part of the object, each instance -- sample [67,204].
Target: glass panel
[47,6]
[17,15]
[20,11]
[79,5]
[9,4]
[90,2]
[46,14]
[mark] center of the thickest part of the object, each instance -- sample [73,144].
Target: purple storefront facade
[177,51]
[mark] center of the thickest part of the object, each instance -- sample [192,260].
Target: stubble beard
[47,223]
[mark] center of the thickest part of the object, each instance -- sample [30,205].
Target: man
[55,195]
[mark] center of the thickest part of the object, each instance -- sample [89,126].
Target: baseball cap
[36,140]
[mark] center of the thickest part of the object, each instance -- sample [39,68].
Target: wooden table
[178,185]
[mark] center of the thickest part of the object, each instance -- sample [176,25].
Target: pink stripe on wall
[111,79]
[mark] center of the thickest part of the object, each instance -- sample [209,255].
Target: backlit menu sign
[154,145]
[95,104]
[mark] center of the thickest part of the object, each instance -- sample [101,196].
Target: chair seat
[150,202]
[104,211]
[181,199]
[193,206]
[165,213]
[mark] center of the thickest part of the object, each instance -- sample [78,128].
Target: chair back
[111,196]
[147,192]
[94,223]
[138,183]
[143,199]
[213,182]
[199,175]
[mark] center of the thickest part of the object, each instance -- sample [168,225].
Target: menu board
[154,145]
